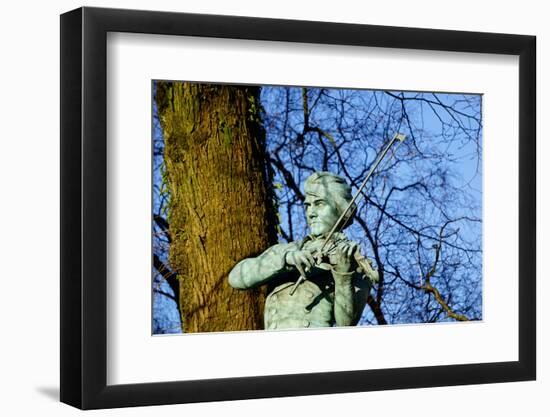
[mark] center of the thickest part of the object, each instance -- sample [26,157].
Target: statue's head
[326,197]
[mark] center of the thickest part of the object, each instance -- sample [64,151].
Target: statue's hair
[337,187]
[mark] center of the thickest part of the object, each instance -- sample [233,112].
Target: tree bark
[221,201]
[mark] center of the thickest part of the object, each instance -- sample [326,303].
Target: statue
[337,277]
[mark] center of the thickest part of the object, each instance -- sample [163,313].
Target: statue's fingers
[352,248]
[292,258]
[345,249]
[310,258]
[300,269]
[305,261]
[297,258]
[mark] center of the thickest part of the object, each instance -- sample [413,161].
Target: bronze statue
[314,282]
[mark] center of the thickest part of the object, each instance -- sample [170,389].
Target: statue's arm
[350,297]
[252,272]
[350,288]
[344,298]
[362,286]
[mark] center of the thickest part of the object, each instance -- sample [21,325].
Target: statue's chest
[309,306]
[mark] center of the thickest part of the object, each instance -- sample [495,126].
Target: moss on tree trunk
[220,200]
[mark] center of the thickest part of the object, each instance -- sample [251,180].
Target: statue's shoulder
[283,247]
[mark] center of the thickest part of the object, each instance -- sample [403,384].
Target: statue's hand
[343,256]
[300,259]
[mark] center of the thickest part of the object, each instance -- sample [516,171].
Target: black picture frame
[84,207]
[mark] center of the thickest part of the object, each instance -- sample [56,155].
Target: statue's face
[321,212]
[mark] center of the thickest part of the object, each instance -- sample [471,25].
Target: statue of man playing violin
[337,277]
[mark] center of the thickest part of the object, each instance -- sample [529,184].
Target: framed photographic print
[257,208]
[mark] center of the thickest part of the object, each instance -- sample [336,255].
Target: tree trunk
[221,207]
